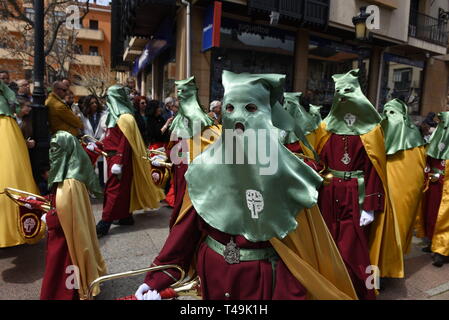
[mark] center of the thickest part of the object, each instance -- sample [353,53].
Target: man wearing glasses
[60,116]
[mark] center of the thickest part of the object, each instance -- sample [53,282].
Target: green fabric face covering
[235,184]
[7,99]
[302,118]
[314,111]
[118,103]
[68,160]
[399,130]
[191,119]
[351,112]
[439,142]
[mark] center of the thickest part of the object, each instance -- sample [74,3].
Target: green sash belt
[348,175]
[248,254]
[436,170]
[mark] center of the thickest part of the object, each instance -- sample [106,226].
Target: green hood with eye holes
[439,142]
[351,113]
[302,118]
[7,100]
[314,111]
[118,103]
[234,184]
[191,118]
[68,160]
[399,131]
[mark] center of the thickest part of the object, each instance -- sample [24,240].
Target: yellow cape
[77,221]
[405,174]
[385,241]
[144,193]
[15,173]
[440,239]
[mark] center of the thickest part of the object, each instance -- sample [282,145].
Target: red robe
[248,280]
[57,260]
[339,205]
[179,188]
[432,198]
[117,193]
[294,147]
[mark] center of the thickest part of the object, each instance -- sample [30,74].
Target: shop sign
[211,27]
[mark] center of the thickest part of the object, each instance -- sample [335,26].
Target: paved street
[134,247]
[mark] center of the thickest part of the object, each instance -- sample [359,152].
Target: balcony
[89,34]
[88,60]
[428,29]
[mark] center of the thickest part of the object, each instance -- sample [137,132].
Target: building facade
[308,40]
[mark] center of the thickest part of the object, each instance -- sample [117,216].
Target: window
[29,13]
[93,24]
[402,79]
[93,51]
[78,49]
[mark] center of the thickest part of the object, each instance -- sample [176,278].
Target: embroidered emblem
[231,253]
[254,200]
[426,169]
[441,146]
[29,224]
[350,119]
[346,159]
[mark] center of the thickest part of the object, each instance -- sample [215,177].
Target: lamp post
[39,154]
[362,32]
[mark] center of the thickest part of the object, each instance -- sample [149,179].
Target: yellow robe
[144,193]
[385,241]
[405,174]
[78,223]
[16,173]
[440,239]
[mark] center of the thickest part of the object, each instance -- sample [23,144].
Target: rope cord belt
[348,175]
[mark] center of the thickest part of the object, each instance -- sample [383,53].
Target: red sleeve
[374,191]
[123,147]
[178,249]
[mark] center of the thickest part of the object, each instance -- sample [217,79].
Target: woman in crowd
[23,118]
[157,127]
[141,116]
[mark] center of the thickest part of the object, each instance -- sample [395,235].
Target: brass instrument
[86,139]
[179,288]
[163,164]
[434,177]
[327,176]
[15,195]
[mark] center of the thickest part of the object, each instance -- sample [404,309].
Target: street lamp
[39,154]
[362,32]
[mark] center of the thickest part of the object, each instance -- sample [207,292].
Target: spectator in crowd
[43,180]
[157,126]
[69,99]
[4,75]
[77,107]
[170,108]
[94,122]
[24,90]
[215,111]
[141,116]
[23,118]
[60,116]
[428,126]
[131,84]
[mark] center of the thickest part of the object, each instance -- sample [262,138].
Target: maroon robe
[57,260]
[294,147]
[117,193]
[247,280]
[432,198]
[339,205]
[180,184]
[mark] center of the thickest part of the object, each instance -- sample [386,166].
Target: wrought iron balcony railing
[428,28]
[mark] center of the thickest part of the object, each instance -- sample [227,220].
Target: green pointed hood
[191,118]
[7,99]
[234,184]
[68,160]
[118,103]
[315,113]
[351,112]
[439,142]
[399,130]
[302,118]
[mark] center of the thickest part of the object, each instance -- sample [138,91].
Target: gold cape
[440,239]
[405,174]
[385,241]
[78,223]
[16,173]
[144,193]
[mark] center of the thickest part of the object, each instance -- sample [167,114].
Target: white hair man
[215,111]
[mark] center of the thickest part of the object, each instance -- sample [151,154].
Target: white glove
[366,217]
[116,169]
[31,198]
[155,161]
[44,218]
[91,146]
[141,290]
[152,295]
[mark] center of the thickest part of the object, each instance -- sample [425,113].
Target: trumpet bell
[433,177]
[327,179]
